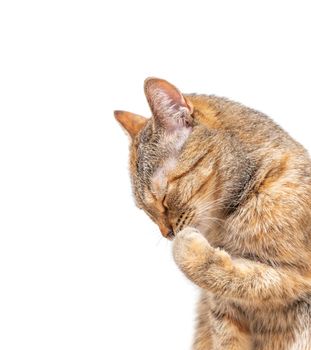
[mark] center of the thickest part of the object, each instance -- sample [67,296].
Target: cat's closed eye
[234,190]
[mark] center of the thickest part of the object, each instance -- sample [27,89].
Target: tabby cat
[232,191]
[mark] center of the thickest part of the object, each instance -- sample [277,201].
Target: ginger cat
[232,190]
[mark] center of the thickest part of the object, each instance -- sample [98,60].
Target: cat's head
[172,159]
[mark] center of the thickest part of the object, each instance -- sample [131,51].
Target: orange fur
[235,191]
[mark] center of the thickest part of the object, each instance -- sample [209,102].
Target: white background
[80,266]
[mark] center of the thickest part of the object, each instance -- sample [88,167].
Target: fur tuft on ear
[167,104]
[132,123]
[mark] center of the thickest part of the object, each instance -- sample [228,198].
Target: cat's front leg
[193,254]
[215,270]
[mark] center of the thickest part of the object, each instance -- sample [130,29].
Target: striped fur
[234,190]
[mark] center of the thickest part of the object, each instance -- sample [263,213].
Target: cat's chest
[244,245]
[245,242]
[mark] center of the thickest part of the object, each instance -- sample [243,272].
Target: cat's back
[277,201]
[252,127]
[259,139]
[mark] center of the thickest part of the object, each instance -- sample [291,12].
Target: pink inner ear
[167,104]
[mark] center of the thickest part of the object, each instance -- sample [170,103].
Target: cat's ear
[169,107]
[132,123]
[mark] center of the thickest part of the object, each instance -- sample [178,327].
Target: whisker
[159,240]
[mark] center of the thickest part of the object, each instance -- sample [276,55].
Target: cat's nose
[167,232]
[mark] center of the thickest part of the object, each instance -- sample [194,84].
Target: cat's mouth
[170,235]
[167,232]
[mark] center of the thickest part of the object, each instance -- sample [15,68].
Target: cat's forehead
[157,156]
[150,152]
[156,146]
[146,133]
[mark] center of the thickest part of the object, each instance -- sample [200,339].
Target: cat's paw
[191,249]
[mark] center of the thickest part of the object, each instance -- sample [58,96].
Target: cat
[232,190]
